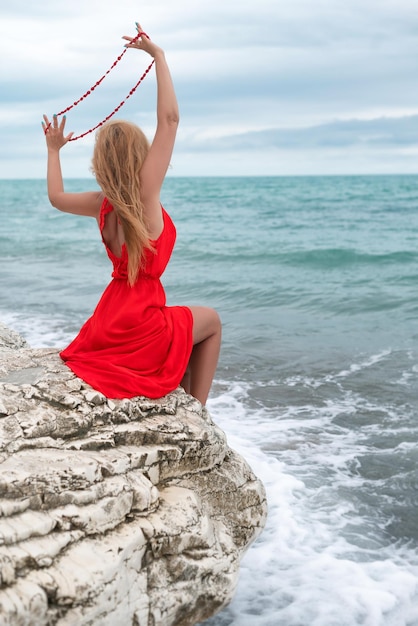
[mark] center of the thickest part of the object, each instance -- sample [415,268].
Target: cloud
[376,133]
[292,78]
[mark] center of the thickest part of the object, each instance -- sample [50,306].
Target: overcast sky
[267,87]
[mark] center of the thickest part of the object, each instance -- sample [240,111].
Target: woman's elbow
[56,201]
[53,200]
[173,118]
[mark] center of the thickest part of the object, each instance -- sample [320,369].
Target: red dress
[133,344]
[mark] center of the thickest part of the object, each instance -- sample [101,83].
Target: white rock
[114,512]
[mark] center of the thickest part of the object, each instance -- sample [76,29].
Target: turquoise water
[316,281]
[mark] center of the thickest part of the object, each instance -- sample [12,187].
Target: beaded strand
[116,109]
[89,91]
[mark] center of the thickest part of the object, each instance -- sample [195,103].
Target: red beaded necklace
[89,91]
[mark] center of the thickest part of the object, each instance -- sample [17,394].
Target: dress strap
[104,210]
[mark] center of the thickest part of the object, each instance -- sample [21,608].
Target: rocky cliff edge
[114,512]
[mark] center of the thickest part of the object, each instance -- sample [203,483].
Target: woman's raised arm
[87,203]
[155,166]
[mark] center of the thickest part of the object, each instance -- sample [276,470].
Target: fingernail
[55,115]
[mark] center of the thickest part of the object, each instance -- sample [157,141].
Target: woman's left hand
[54,133]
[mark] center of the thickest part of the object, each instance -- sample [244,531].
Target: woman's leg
[207,332]
[185,383]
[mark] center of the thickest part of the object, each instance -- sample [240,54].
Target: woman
[134,344]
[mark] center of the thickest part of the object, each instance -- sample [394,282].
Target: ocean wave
[336,258]
[333,538]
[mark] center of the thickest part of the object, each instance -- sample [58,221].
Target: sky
[270,87]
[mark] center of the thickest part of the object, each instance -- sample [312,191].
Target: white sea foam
[303,571]
[354,368]
[358,367]
[40,331]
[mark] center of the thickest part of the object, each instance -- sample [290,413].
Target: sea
[316,283]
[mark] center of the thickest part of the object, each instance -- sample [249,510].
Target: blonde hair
[119,152]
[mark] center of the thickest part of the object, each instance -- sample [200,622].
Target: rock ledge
[114,512]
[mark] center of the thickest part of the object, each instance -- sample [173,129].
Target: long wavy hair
[119,152]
